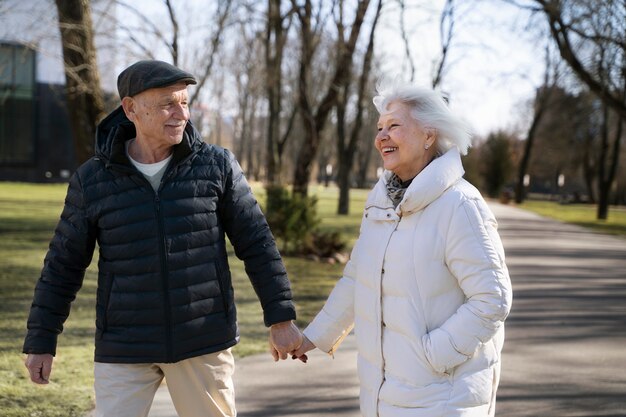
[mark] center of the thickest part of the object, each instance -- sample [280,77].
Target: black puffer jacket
[164,285]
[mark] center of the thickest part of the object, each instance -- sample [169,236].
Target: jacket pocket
[222,283]
[104,304]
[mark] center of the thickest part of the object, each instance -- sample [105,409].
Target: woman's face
[401,141]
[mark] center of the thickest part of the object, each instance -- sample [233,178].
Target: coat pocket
[103,304]
[223,281]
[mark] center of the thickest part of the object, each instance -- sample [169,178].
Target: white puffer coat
[427,290]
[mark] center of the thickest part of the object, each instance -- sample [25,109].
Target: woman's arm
[475,256]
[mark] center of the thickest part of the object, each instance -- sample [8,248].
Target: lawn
[582,215]
[28,215]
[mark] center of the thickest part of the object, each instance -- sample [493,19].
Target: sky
[495,60]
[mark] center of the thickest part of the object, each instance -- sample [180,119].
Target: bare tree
[175,30]
[540,106]
[591,38]
[346,151]
[84,95]
[314,119]
[278,25]
[446,33]
[405,39]
[208,60]
[150,35]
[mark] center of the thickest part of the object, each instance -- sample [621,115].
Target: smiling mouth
[388,149]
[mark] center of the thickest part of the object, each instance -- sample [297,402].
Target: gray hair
[429,109]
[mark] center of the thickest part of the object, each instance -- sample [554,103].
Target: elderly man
[159,203]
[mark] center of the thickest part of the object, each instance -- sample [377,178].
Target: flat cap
[143,75]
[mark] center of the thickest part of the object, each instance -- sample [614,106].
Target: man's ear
[130,108]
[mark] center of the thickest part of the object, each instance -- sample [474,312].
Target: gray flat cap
[143,75]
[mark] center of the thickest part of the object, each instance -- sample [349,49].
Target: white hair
[429,109]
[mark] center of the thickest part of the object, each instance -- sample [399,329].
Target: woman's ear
[129,105]
[431,136]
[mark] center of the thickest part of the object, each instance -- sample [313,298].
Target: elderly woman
[426,287]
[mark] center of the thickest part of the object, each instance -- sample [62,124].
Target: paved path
[565,350]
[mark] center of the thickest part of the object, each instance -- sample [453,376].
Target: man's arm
[254,244]
[69,254]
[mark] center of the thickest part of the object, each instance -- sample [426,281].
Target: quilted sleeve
[336,319]
[254,243]
[69,254]
[475,256]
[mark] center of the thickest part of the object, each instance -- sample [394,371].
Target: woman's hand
[300,353]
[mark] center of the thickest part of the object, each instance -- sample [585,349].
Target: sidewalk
[322,387]
[564,354]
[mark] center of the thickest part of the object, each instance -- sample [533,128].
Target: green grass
[582,215]
[28,215]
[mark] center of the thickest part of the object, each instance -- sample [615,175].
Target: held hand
[39,367]
[300,353]
[285,337]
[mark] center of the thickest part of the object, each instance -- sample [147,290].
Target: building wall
[54,159]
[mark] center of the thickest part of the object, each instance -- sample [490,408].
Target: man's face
[159,114]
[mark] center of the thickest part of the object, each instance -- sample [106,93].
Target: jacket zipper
[382,271]
[164,267]
[162,242]
[164,278]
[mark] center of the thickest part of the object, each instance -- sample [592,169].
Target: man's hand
[285,337]
[39,367]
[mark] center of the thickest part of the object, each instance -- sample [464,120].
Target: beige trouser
[199,387]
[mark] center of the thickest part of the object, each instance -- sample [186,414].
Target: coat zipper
[382,271]
[164,278]
[164,266]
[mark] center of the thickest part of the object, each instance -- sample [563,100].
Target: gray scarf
[396,188]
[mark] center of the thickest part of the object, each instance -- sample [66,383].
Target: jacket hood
[115,129]
[430,183]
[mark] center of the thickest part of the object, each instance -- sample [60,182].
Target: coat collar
[116,129]
[427,186]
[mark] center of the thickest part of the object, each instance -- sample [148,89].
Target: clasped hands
[286,339]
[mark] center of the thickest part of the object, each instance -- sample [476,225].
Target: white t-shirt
[152,172]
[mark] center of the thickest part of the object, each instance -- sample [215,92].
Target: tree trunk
[84,96]
[347,153]
[540,106]
[606,177]
[343,181]
[589,171]
[364,163]
[314,121]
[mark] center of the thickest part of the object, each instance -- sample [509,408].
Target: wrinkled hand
[285,337]
[39,367]
[300,353]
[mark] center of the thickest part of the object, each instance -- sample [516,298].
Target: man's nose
[181,112]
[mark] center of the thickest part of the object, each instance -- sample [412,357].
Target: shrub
[292,218]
